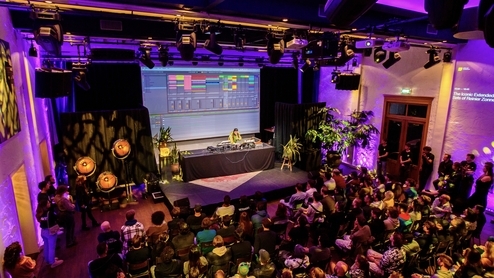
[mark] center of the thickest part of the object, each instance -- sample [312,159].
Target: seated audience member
[220,257]
[225,209]
[112,238]
[261,213]
[389,199]
[195,220]
[167,266]
[244,204]
[427,237]
[472,265]
[243,271]
[339,180]
[404,218]
[410,245]
[376,224]
[298,260]
[246,224]
[442,231]
[183,240]
[310,188]
[241,248]
[16,264]
[415,210]
[470,217]
[206,235]
[443,266]
[340,270]
[299,233]
[314,208]
[158,226]
[265,239]
[114,272]
[316,272]
[360,268]
[281,215]
[377,201]
[298,196]
[441,206]
[138,253]
[328,203]
[487,259]
[391,260]
[266,268]
[320,252]
[197,265]
[130,229]
[226,230]
[360,235]
[411,190]
[392,222]
[174,224]
[98,267]
[159,245]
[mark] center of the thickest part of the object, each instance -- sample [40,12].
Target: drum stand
[128,188]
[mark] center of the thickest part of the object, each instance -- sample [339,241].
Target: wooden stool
[286,162]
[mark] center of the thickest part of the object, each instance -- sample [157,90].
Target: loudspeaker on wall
[52,84]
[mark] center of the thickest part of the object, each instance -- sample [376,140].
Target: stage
[209,192]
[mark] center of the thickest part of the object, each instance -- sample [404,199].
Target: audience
[183,241]
[98,267]
[16,264]
[130,229]
[195,220]
[137,253]
[265,239]
[158,226]
[391,260]
[206,235]
[168,266]
[225,209]
[220,257]
[197,264]
[266,268]
[261,213]
[110,237]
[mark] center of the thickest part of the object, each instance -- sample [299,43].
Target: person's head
[407,238]
[61,189]
[235,131]
[226,221]
[167,254]
[340,206]
[302,220]
[446,157]
[175,212]
[105,226]
[184,228]
[341,268]
[239,233]
[130,214]
[158,217]
[427,149]
[456,166]
[362,263]
[429,227]
[360,221]
[389,195]
[444,198]
[317,196]
[410,182]
[408,146]
[470,157]
[44,185]
[298,252]
[444,260]
[50,179]
[101,248]
[136,241]
[384,141]
[243,269]
[316,272]
[80,181]
[470,215]
[198,208]
[266,223]
[376,213]
[226,200]
[244,216]
[12,255]
[206,223]
[354,175]
[286,273]
[479,209]
[356,203]
[261,206]
[299,187]
[281,211]
[194,256]
[393,212]
[218,241]
[264,257]
[219,274]
[396,240]
[488,168]
[473,257]
[336,172]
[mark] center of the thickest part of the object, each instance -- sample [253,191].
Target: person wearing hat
[441,206]
[243,271]
[266,268]
[195,220]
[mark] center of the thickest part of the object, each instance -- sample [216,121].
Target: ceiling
[417,5]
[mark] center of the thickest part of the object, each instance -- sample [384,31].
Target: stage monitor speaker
[444,14]
[52,84]
[348,82]
[489,27]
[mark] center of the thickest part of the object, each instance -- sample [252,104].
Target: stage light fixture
[393,58]
[163,55]
[221,62]
[186,42]
[316,66]
[260,61]
[48,31]
[211,44]
[241,62]
[33,52]
[80,76]
[239,39]
[170,63]
[447,57]
[305,66]
[347,53]
[433,58]
[145,57]
[276,49]
[354,63]
[379,54]
[335,76]
[295,56]
[195,63]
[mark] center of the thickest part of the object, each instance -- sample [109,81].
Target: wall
[22,150]
[377,81]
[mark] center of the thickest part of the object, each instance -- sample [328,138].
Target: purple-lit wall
[22,149]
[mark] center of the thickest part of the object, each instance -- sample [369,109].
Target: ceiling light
[241,62]
[393,58]
[285,20]
[260,61]
[211,44]
[80,76]
[48,31]
[275,48]
[335,76]
[221,62]
[305,66]
[170,63]
[316,66]
[379,54]
[433,58]
[194,63]
[186,41]
[239,39]
[295,56]
[447,56]
[144,56]
[163,55]
[33,52]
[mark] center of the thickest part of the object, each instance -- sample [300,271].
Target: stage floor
[209,192]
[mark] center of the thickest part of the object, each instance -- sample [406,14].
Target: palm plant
[291,150]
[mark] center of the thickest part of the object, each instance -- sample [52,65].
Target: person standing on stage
[426,167]
[234,136]
[405,163]
[382,160]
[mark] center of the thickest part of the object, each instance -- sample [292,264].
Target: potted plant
[291,152]
[336,135]
[161,139]
[175,155]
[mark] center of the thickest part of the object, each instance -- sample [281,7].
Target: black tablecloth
[203,164]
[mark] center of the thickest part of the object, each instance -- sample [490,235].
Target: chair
[144,266]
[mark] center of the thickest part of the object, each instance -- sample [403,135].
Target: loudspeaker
[52,84]
[484,7]
[489,27]
[348,82]
[444,14]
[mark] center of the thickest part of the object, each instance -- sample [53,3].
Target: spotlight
[186,42]
[335,76]
[276,48]
[305,66]
[447,57]
[48,31]
[354,63]
[433,58]
[163,55]
[221,62]
[379,54]
[316,66]
[239,39]
[170,63]
[33,52]
[241,62]
[347,53]
[211,44]
[295,56]
[80,76]
[194,63]
[144,55]
[393,58]
[260,61]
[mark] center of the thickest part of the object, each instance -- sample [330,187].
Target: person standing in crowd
[445,166]
[405,163]
[426,167]
[66,210]
[51,181]
[382,159]
[47,219]
[16,264]
[44,187]
[482,186]
[83,199]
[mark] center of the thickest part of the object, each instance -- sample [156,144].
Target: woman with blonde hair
[487,259]
[389,199]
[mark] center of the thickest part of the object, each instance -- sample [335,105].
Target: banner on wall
[9,112]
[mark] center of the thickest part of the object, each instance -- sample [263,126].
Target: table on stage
[205,164]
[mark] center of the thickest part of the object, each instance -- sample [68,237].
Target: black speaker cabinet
[444,14]
[52,84]
[348,82]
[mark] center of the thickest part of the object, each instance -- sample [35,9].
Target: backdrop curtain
[296,119]
[93,134]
